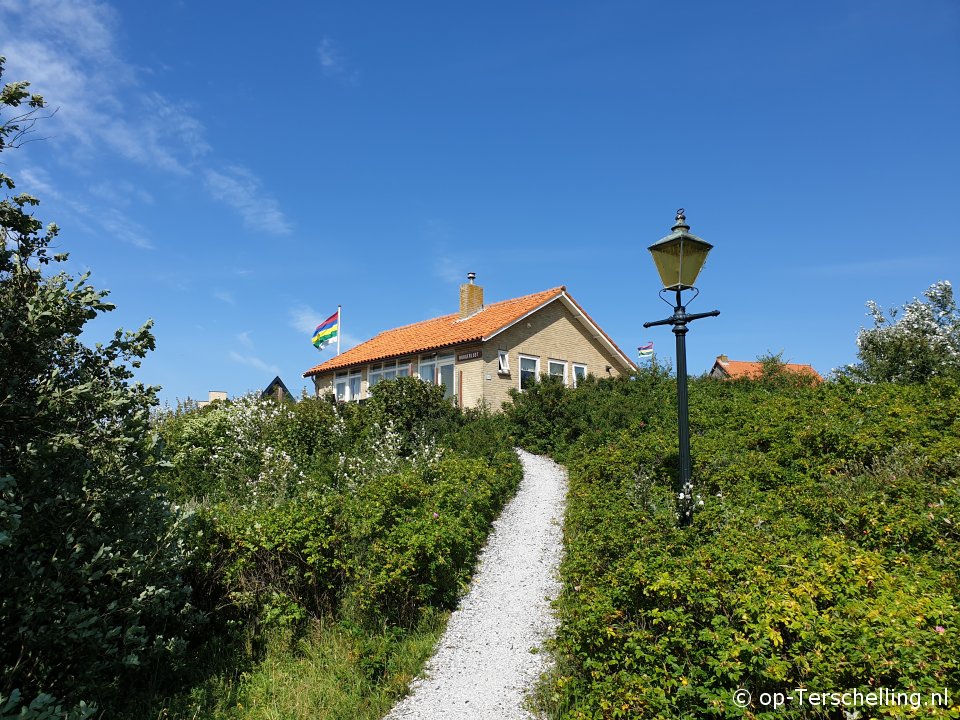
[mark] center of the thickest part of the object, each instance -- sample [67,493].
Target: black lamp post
[679,257]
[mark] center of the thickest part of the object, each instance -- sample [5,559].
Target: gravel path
[483,666]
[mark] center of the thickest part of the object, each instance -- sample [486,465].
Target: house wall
[551,333]
[470,375]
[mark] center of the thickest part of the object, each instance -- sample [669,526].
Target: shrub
[91,553]
[823,552]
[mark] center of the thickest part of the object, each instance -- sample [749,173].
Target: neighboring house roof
[736,369]
[450,330]
[275,384]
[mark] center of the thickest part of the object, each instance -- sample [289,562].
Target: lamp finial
[681,223]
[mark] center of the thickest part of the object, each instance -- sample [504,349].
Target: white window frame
[425,361]
[520,370]
[563,363]
[503,362]
[444,361]
[348,378]
[578,366]
[374,371]
[389,370]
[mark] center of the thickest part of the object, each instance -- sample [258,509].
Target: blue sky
[235,170]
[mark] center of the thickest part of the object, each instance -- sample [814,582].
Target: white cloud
[244,339]
[120,192]
[330,60]
[224,296]
[254,362]
[69,52]
[111,220]
[122,227]
[305,319]
[332,63]
[241,189]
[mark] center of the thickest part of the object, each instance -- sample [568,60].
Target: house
[481,352]
[213,396]
[727,369]
[277,390]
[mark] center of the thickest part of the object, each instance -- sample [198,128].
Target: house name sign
[471,355]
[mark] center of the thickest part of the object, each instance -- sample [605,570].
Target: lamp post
[679,257]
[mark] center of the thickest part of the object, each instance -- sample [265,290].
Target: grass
[331,672]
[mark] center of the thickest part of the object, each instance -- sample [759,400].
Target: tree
[921,342]
[90,552]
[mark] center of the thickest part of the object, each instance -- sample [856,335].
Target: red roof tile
[440,332]
[736,369]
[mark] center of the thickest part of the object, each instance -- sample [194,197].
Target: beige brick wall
[552,333]
[470,376]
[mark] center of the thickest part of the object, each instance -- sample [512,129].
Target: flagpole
[339,329]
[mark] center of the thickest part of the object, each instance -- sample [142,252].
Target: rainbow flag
[327,331]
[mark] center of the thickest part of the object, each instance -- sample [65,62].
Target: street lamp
[679,257]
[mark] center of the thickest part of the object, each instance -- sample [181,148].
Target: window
[503,362]
[387,371]
[428,368]
[529,370]
[446,375]
[558,369]
[579,373]
[346,386]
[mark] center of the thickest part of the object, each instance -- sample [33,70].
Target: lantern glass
[679,259]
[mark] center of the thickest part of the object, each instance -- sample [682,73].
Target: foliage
[825,552]
[90,552]
[923,342]
[364,518]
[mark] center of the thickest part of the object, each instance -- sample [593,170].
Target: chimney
[723,358]
[471,297]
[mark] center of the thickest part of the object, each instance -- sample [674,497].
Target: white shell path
[483,665]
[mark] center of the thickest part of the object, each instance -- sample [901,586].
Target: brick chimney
[723,359]
[471,297]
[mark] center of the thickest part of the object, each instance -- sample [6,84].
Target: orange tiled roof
[736,369]
[438,333]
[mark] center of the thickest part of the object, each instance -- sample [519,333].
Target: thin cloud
[332,63]
[120,192]
[224,296]
[118,224]
[111,220]
[254,362]
[304,319]
[69,52]
[240,189]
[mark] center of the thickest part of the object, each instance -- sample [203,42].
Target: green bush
[823,554]
[91,553]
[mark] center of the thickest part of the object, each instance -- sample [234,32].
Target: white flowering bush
[913,344]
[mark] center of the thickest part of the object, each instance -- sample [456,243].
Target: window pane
[427,371]
[528,372]
[503,362]
[355,387]
[446,379]
[580,371]
[341,389]
[558,369]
